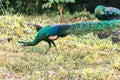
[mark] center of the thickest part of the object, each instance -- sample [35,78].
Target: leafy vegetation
[35,7]
[31,7]
[79,57]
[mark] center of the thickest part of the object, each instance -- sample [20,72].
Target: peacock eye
[24,45]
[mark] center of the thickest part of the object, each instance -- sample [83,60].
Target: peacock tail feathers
[86,27]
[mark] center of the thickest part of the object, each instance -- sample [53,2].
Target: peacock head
[23,43]
[99,10]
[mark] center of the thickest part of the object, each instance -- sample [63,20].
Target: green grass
[78,57]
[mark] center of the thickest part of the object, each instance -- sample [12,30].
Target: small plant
[60,6]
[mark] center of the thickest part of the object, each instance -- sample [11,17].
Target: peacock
[50,33]
[108,13]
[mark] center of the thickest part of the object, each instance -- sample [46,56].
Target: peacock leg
[54,45]
[49,43]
